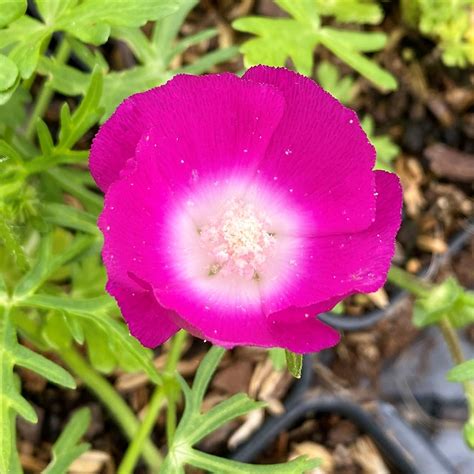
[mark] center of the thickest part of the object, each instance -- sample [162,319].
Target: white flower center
[238,241]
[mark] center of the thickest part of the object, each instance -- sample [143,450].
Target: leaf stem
[421,289]
[117,407]
[46,92]
[157,400]
[408,282]
[452,341]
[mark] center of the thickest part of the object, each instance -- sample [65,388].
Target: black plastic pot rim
[396,456]
[356,323]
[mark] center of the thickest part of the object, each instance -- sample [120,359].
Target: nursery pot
[403,448]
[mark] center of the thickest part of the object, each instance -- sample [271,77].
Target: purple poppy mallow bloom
[240,208]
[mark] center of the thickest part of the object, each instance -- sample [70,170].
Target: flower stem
[117,407]
[46,92]
[452,341]
[420,288]
[408,282]
[157,400]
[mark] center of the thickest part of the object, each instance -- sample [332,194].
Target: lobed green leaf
[66,449]
[462,373]
[10,10]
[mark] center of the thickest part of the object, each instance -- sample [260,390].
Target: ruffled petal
[319,154]
[299,331]
[339,265]
[147,320]
[200,124]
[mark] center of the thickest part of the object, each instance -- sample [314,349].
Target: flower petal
[147,320]
[298,330]
[339,265]
[200,124]
[319,154]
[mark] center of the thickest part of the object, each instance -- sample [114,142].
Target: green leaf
[100,354]
[46,264]
[52,9]
[75,329]
[92,58]
[191,40]
[448,299]
[55,331]
[238,405]
[294,362]
[44,137]
[44,367]
[194,426]
[25,38]
[352,11]
[120,85]
[121,343]
[219,465]
[87,114]
[462,373]
[386,149]
[8,152]
[10,10]
[137,41]
[70,181]
[91,20]
[66,449]
[13,110]
[468,432]
[11,400]
[33,278]
[277,40]
[92,312]
[167,29]
[70,218]
[328,77]
[369,69]
[8,72]
[362,41]
[94,306]
[205,371]
[280,39]
[64,79]
[206,62]
[9,78]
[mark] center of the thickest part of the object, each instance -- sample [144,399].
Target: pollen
[238,241]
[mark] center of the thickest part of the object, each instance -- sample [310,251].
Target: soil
[340,445]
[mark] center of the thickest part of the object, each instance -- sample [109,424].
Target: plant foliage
[195,426]
[449,23]
[278,39]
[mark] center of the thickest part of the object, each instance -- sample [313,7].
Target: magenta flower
[240,208]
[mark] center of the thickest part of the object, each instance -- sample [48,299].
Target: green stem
[408,282]
[136,446]
[421,289]
[452,341]
[170,420]
[157,400]
[46,93]
[113,402]
[172,394]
